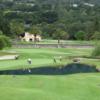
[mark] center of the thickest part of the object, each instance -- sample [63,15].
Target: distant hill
[74,17]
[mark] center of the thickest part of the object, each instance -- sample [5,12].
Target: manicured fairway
[44,57]
[68,87]
[48,87]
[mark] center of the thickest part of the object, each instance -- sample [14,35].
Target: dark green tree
[80,35]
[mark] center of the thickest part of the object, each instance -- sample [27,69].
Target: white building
[29,37]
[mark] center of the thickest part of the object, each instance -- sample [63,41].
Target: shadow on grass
[68,69]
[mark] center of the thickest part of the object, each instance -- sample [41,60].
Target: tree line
[55,19]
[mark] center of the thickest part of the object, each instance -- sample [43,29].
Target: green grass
[42,57]
[48,87]
[67,87]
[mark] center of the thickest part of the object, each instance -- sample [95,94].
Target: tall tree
[16,28]
[4,24]
[60,34]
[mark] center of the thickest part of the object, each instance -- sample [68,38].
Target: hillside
[70,17]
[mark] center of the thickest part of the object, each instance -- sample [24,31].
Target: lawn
[48,87]
[44,57]
[67,87]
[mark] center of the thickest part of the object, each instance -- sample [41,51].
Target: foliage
[51,15]
[16,27]
[4,24]
[1,33]
[96,51]
[80,35]
[96,36]
[35,30]
[60,34]
[4,42]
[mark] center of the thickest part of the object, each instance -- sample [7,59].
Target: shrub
[96,36]
[80,35]
[96,51]
[4,42]
[1,32]
[7,41]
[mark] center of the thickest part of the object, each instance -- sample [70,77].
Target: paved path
[8,57]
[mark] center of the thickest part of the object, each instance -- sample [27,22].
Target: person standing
[60,58]
[29,61]
[54,59]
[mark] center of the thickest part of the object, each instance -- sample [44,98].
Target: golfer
[54,59]
[29,61]
[60,58]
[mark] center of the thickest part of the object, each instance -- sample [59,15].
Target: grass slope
[68,87]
